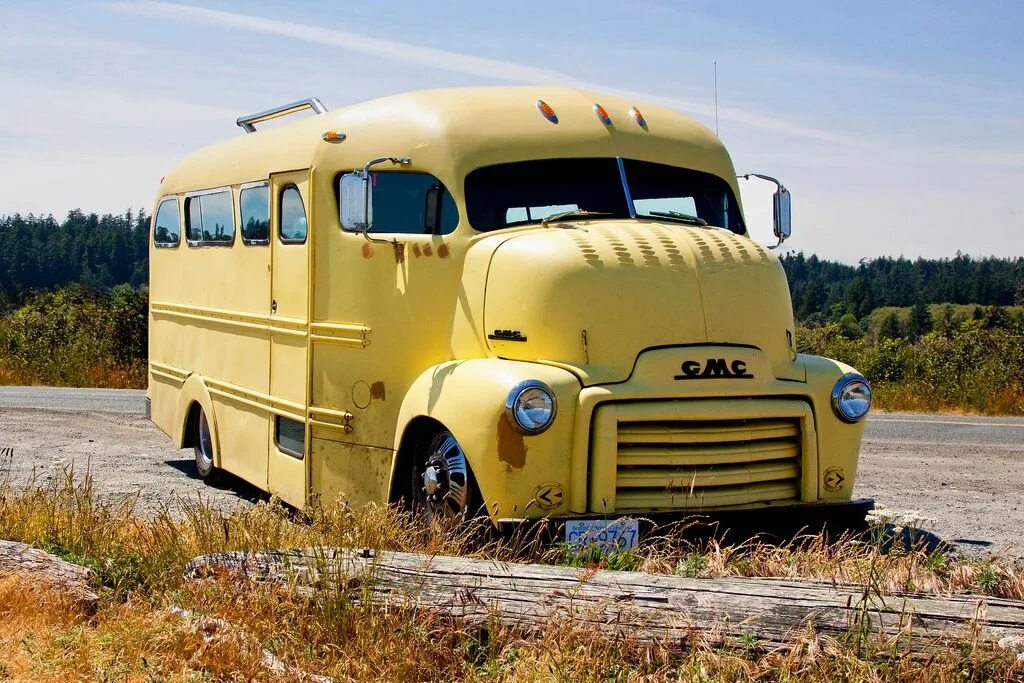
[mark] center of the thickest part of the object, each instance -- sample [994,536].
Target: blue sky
[899,127]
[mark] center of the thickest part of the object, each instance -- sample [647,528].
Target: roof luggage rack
[314,103]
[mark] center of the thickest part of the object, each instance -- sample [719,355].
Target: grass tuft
[136,635]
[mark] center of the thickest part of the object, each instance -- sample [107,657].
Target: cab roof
[450,132]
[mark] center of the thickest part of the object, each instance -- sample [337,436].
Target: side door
[288,471]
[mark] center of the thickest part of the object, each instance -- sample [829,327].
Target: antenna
[716,97]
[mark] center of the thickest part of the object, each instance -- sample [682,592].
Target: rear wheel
[442,486]
[204,447]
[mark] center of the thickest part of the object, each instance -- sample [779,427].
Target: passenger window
[210,218]
[166,227]
[293,216]
[290,436]
[254,203]
[411,203]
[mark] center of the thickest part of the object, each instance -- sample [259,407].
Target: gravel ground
[961,478]
[125,453]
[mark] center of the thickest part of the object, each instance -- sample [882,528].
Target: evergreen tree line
[825,291]
[98,252]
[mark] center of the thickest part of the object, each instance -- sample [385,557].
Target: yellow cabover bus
[478,301]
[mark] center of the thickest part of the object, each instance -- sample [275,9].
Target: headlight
[530,407]
[851,398]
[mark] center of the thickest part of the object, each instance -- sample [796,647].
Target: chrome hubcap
[444,479]
[205,439]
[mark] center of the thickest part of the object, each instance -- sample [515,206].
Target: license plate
[609,534]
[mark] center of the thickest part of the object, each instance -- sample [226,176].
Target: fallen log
[645,608]
[43,568]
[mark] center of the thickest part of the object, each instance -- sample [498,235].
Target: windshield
[522,192]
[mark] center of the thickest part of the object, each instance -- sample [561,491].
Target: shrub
[76,337]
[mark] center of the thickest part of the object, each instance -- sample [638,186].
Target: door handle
[273,306]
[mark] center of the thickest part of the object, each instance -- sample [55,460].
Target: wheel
[442,486]
[204,447]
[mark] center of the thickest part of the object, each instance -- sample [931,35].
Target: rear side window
[254,203]
[410,203]
[166,226]
[210,218]
[293,216]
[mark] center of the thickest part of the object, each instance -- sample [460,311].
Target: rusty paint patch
[367,250]
[399,252]
[377,390]
[416,250]
[442,251]
[511,446]
[428,250]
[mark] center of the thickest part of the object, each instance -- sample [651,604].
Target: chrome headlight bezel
[838,392]
[514,398]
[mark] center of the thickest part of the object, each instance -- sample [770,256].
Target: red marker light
[602,114]
[547,111]
[638,117]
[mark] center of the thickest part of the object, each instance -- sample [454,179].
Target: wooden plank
[40,567]
[647,608]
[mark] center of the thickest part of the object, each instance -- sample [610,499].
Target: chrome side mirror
[782,223]
[356,197]
[356,201]
[783,214]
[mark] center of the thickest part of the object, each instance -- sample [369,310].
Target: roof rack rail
[314,103]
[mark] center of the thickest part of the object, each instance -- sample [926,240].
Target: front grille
[681,461]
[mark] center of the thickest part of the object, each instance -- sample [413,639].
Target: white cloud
[447,60]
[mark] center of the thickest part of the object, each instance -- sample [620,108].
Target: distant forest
[42,253]
[826,290]
[98,252]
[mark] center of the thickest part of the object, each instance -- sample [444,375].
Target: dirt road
[964,474]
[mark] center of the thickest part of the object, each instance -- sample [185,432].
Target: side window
[210,218]
[290,436]
[254,206]
[166,226]
[293,216]
[410,203]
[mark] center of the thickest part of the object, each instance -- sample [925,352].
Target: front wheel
[204,447]
[442,486]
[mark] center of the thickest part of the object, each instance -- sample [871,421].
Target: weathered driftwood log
[41,567]
[646,608]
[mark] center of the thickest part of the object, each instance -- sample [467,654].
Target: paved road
[959,477]
[54,398]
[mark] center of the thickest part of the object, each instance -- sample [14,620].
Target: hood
[594,295]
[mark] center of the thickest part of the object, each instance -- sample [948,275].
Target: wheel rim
[442,480]
[205,441]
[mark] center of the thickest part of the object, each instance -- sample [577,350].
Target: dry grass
[134,636]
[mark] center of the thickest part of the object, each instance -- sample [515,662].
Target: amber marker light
[334,136]
[547,111]
[602,114]
[638,117]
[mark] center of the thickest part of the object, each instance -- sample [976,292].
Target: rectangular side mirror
[783,214]
[356,201]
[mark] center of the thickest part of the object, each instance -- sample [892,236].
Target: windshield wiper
[575,213]
[679,216]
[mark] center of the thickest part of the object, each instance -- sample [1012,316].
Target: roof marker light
[602,114]
[547,111]
[334,136]
[638,117]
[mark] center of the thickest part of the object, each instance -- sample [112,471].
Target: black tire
[203,448]
[441,483]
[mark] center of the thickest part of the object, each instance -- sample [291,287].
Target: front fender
[838,441]
[519,476]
